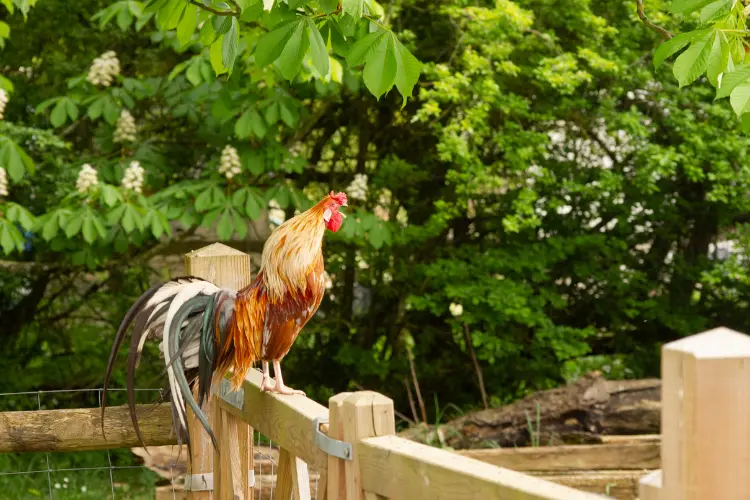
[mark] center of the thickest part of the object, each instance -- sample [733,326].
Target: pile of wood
[578,413]
[170,462]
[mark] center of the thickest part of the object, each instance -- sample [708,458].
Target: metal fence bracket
[234,398]
[329,445]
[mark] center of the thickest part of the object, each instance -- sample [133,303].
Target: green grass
[130,484]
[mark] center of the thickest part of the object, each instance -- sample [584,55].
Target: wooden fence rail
[705,446]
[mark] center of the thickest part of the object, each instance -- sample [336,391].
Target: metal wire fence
[121,474]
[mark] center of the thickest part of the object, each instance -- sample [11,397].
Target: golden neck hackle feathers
[291,251]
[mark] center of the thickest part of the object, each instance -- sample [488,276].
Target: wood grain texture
[228,268]
[335,485]
[402,470]
[365,414]
[706,417]
[287,420]
[292,478]
[80,429]
[620,485]
[627,456]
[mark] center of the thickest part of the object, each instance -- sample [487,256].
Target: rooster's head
[331,215]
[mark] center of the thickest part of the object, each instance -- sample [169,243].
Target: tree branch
[235,12]
[663,33]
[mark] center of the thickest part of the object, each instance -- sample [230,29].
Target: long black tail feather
[189,344]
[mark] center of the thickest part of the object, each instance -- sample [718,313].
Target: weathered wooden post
[230,268]
[353,417]
[705,421]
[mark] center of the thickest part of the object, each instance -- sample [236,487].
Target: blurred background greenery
[546,194]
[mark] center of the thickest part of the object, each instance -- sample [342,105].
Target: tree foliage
[545,194]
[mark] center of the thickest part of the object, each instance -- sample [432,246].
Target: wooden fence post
[705,418]
[354,417]
[229,268]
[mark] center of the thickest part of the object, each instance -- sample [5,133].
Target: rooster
[206,331]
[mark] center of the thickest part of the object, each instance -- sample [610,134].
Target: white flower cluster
[3,182]
[125,128]
[104,69]
[133,178]
[86,178]
[357,190]
[229,164]
[275,214]
[3,102]
[456,309]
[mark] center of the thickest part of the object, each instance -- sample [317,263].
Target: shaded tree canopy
[545,192]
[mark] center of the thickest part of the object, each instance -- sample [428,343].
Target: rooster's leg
[280,388]
[266,386]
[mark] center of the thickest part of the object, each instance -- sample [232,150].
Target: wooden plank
[622,485]
[706,416]
[635,456]
[650,486]
[80,429]
[403,470]
[635,438]
[335,485]
[364,414]
[284,475]
[228,268]
[286,420]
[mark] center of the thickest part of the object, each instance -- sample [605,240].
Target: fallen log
[579,413]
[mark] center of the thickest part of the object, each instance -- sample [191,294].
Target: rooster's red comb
[340,198]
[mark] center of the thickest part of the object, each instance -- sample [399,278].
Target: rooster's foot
[287,391]
[266,385]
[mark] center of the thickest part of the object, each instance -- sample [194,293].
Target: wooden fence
[352,444]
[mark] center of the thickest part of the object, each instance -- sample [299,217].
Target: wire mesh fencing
[122,474]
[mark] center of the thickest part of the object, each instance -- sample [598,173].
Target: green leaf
[217,56]
[89,232]
[271,113]
[17,213]
[73,224]
[187,25]
[688,6]
[96,108]
[225,228]
[730,81]
[718,58]
[673,45]
[193,72]
[10,237]
[290,60]
[380,70]
[110,194]
[253,162]
[243,126]
[408,69]
[691,64]
[207,34]
[14,159]
[71,109]
[328,6]
[240,224]
[318,50]
[51,227]
[289,114]
[230,45]
[354,8]
[111,110]
[257,124]
[254,204]
[739,98]
[59,114]
[716,10]
[363,49]
[271,45]
[124,18]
